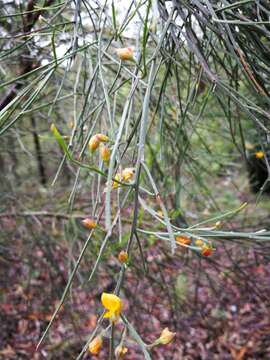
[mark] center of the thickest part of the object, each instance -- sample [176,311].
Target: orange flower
[123,257]
[125,53]
[89,223]
[94,143]
[95,345]
[105,153]
[183,240]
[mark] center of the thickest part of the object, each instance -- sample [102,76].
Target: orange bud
[105,153]
[166,336]
[123,257]
[94,143]
[183,240]
[120,352]
[89,223]
[125,53]
[102,137]
[95,345]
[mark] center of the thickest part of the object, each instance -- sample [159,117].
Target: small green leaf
[60,141]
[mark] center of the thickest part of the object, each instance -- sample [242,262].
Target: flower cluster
[206,248]
[114,306]
[125,175]
[97,141]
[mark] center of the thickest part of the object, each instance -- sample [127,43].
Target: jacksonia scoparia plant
[124,86]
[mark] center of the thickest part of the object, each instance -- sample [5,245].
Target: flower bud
[199,242]
[71,124]
[102,137]
[120,352]
[115,184]
[94,143]
[105,153]
[123,257]
[125,53]
[166,336]
[95,345]
[89,223]
[183,240]
[218,224]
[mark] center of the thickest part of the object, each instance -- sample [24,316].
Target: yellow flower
[259,154]
[120,352]
[199,242]
[166,336]
[125,53]
[128,173]
[89,223]
[105,153]
[94,143]
[95,345]
[113,304]
[115,184]
[123,257]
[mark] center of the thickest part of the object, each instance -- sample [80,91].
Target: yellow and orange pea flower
[95,141]
[166,336]
[95,345]
[89,223]
[207,250]
[123,257]
[126,175]
[113,304]
[259,154]
[120,352]
[183,240]
[126,53]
